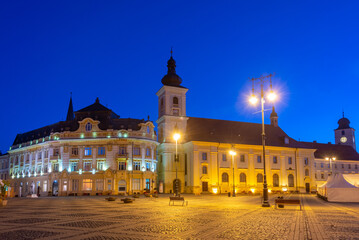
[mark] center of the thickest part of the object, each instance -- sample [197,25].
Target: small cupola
[274,118]
[171,78]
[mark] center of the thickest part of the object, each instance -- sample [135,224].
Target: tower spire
[70,112]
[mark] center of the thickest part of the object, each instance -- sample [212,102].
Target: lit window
[101,165]
[122,166]
[148,166]
[87,184]
[137,165]
[136,151]
[74,167]
[101,151]
[88,127]
[88,151]
[44,186]
[275,160]
[148,152]
[204,156]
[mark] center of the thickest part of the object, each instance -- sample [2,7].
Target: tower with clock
[344,134]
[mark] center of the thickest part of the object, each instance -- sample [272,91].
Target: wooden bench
[173,199]
[127,200]
[288,202]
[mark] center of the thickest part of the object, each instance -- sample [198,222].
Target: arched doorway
[178,183]
[122,186]
[55,188]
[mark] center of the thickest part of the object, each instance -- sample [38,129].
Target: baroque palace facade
[96,152]
[205,165]
[93,152]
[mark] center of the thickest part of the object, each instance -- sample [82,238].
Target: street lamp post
[330,162]
[233,153]
[253,100]
[176,136]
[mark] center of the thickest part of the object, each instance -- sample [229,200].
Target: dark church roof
[171,78]
[108,120]
[224,131]
[343,123]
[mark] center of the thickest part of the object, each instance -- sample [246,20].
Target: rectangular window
[136,151]
[224,157]
[204,156]
[74,167]
[122,150]
[122,166]
[87,166]
[101,151]
[64,185]
[322,165]
[45,168]
[155,167]
[148,184]
[275,159]
[88,151]
[137,166]
[342,165]
[335,165]
[101,165]
[87,184]
[259,158]
[99,184]
[290,160]
[109,185]
[356,166]
[136,184]
[56,152]
[46,154]
[44,186]
[148,166]
[306,161]
[75,185]
[349,166]
[39,155]
[74,151]
[315,164]
[242,158]
[148,152]
[56,167]
[328,165]
[322,175]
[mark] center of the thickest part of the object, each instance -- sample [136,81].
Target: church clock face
[343,139]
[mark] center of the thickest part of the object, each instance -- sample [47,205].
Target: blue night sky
[118,51]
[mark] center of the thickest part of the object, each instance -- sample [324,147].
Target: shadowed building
[93,152]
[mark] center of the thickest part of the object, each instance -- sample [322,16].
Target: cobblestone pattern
[206,217]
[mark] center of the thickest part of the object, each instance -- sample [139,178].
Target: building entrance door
[307,187]
[204,186]
[55,188]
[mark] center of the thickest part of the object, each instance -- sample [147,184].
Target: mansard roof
[108,120]
[224,131]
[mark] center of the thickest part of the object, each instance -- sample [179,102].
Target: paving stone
[26,234]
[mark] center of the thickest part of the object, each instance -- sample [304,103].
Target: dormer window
[88,127]
[286,140]
[148,129]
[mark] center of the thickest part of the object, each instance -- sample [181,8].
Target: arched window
[259,178]
[306,172]
[242,178]
[204,170]
[275,180]
[88,127]
[290,180]
[224,177]
[175,100]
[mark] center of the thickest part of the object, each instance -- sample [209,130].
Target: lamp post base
[265,204]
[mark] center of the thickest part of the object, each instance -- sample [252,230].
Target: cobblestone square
[205,217]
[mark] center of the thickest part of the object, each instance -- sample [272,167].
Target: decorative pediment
[88,125]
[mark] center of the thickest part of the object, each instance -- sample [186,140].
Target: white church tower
[171,118]
[344,134]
